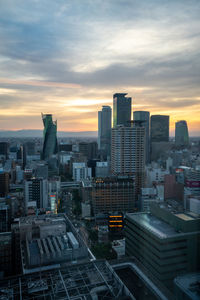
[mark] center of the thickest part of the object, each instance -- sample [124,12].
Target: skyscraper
[104,130]
[145,117]
[128,149]
[121,109]
[159,128]
[181,134]
[50,139]
[128,153]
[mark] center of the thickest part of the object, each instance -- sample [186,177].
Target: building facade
[128,150]
[104,130]
[181,133]
[36,193]
[113,194]
[145,117]
[81,171]
[121,109]
[166,242]
[4,183]
[50,137]
[159,128]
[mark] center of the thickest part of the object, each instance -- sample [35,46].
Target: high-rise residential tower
[181,134]
[144,116]
[159,128]
[121,109]
[50,138]
[104,130]
[128,153]
[128,149]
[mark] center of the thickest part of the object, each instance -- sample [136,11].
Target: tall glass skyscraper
[121,110]
[159,128]
[181,133]
[50,138]
[104,130]
[145,117]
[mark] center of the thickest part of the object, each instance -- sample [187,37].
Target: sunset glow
[69,59]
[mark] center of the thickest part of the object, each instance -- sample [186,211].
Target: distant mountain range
[39,133]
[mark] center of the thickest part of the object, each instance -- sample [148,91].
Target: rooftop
[151,223]
[94,280]
[42,219]
[184,217]
[189,284]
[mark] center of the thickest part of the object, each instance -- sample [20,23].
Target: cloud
[38,83]
[70,57]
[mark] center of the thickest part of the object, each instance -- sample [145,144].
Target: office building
[5,216]
[19,173]
[81,171]
[5,254]
[181,134]
[113,194]
[165,241]
[115,222]
[192,181]
[4,183]
[121,109]
[102,169]
[148,195]
[155,176]
[159,128]
[172,189]
[50,138]
[36,193]
[65,147]
[41,170]
[30,148]
[89,150]
[144,116]
[104,130]
[4,148]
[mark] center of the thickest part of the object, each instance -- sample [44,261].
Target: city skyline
[70,58]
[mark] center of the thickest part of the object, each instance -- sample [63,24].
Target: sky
[68,58]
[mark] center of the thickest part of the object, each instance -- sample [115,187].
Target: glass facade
[121,109]
[159,128]
[181,134]
[50,139]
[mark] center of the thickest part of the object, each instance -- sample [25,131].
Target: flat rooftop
[42,219]
[184,217]
[189,284]
[94,280]
[151,223]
